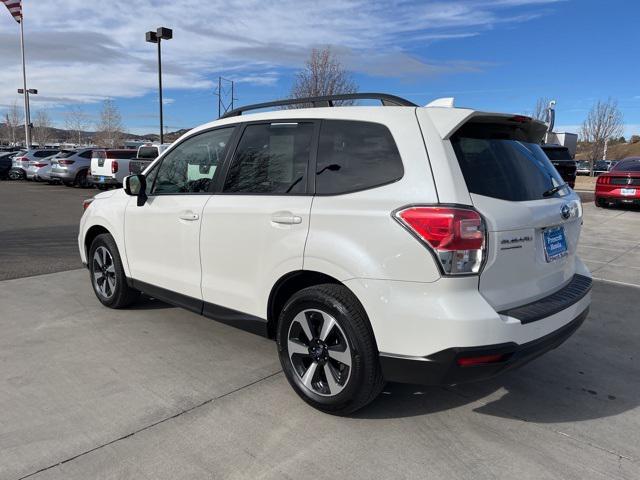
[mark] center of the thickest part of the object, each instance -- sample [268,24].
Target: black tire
[601,202]
[356,385]
[81,179]
[116,294]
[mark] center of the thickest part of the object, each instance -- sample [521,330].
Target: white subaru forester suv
[432,245]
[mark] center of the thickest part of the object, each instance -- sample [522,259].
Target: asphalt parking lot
[158,392]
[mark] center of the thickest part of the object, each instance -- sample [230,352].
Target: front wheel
[107,275]
[327,349]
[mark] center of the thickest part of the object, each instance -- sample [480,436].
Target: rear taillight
[114,166]
[603,180]
[66,162]
[455,235]
[38,164]
[86,203]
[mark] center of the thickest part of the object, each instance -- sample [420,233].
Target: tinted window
[495,164]
[627,166]
[354,156]
[121,154]
[148,152]
[86,154]
[271,158]
[66,153]
[44,153]
[191,166]
[557,153]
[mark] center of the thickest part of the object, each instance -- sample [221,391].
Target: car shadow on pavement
[146,302]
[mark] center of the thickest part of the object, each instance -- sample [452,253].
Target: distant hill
[616,151]
[61,135]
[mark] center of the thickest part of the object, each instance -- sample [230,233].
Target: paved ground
[158,392]
[39,228]
[610,243]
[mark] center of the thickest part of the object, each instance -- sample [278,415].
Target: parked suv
[71,167]
[562,160]
[110,166]
[427,245]
[30,158]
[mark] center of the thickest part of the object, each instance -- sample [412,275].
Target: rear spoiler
[447,121]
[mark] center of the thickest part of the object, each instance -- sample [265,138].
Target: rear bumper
[98,180]
[65,176]
[442,368]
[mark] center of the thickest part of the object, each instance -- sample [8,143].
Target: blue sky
[494,55]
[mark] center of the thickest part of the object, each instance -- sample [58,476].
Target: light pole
[27,109]
[160,34]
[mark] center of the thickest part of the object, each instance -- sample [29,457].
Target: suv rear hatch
[532,220]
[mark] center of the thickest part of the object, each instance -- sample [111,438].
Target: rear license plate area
[628,192]
[555,243]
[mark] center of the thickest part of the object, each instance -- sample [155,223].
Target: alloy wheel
[104,272]
[319,352]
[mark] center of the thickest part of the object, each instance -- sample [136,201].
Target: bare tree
[12,120]
[540,111]
[322,75]
[109,127]
[76,120]
[42,128]
[603,122]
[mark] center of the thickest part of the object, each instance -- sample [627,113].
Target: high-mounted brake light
[456,235]
[114,166]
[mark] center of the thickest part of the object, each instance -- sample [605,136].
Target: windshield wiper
[554,190]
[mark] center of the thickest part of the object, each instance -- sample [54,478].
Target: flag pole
[27,114]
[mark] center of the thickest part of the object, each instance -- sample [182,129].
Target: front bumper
[442,368]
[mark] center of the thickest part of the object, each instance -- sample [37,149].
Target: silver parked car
[38,163]
[71,167]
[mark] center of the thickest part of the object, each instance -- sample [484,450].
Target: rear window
[148,152]
[355,156]
[121,154]
[505,162]
[557,153]
[66,153]
[44,153]
[627,166]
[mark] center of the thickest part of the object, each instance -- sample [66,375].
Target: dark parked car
[5,164]
[560,157]
[620,185]
[603,166]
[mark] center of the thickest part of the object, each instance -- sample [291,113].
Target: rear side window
[355,156]
[500,162]
[271,158]
[86,154]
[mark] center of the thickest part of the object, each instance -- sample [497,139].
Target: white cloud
[87,50]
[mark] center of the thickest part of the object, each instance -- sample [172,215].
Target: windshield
[495,165]
[629,165]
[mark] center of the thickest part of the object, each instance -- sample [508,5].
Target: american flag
[15,8]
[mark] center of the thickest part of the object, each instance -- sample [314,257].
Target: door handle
[286,219]
[189,217]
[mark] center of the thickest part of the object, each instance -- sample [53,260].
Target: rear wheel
[327,349]
[107,275]
[81,179]
[15,175]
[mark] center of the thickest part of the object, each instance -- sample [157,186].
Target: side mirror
[136,186]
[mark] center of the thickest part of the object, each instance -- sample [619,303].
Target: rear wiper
[553,190]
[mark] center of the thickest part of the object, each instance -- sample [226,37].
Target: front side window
[355,156]
[191,166]
[271,158]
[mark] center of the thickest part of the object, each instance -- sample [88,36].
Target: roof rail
[325,101]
